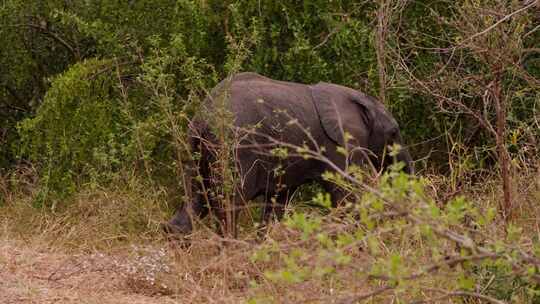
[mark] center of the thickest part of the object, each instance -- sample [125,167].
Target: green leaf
[465,283]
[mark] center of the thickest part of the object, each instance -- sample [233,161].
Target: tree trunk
[505,207]
[380,41]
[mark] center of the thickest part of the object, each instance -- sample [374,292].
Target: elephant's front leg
[197,200]
[182,220]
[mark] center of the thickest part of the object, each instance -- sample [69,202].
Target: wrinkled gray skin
[326,110]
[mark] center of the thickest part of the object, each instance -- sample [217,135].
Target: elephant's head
[385,132]
[346,111]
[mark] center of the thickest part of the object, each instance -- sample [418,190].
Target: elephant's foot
[172,229]
[176,233]
[179,224]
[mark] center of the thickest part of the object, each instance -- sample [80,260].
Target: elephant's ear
[343,110]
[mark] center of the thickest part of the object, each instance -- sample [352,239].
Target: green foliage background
[86,86]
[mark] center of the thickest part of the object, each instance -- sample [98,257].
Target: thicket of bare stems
[490,34]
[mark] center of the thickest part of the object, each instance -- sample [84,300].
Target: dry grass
[104,246]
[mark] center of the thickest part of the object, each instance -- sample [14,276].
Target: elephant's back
[257,99]
[271,105]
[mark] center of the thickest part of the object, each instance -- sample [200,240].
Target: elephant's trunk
[405,157]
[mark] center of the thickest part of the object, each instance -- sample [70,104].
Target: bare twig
[330,34]
[365,296]
[446,263]
[115,65]
[503,19]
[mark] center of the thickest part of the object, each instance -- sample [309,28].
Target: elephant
[323,115]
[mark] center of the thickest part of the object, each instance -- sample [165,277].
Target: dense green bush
[78,125]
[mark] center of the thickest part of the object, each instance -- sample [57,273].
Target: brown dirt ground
[30,274]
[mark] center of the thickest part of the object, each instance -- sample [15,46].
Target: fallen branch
[459,293]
